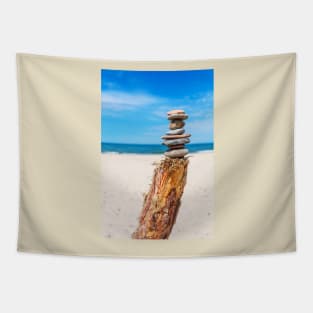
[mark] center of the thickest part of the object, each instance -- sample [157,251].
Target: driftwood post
[162,202]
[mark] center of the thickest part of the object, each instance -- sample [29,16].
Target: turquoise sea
[150,148]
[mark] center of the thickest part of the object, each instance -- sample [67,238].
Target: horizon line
[132,143]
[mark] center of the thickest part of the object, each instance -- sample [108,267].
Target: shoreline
[153,154]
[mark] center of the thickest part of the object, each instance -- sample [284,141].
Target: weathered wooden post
[162,202]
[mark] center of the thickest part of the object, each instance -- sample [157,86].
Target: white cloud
[114,102]
[120,101]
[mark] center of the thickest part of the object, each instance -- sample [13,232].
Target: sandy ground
[126,177]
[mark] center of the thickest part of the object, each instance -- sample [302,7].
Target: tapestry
[156,158]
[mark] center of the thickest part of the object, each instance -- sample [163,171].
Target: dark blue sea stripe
[150,148]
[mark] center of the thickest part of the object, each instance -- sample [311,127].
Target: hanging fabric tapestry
[156,159]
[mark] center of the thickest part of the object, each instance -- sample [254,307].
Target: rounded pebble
[182,146]
[177,117]
[175,124]
[178,131]
[175,136]
[175,112]
[173,142]
[176,153]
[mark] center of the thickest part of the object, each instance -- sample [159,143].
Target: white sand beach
[125,179]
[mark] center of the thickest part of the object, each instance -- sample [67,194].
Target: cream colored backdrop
[60,205]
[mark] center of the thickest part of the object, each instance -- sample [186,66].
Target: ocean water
[150,149]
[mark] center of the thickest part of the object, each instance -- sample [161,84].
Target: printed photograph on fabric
[157,149]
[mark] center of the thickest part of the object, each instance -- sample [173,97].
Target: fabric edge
[180,256]
[20,136]
[156,62]
[293,109]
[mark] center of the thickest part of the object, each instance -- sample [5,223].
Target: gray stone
[177,131]
[174,142]
[179,153]
[176,147]
[175,136]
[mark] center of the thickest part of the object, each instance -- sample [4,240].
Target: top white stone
[175,112]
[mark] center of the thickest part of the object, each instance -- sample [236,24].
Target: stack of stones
[175,139]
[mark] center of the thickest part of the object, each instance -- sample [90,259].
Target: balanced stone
[173,142]
[177,117]
[175,124]
[175,112]
[178,131]
[175,136]
[176,147]
[177,153]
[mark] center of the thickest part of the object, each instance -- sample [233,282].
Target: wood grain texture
[162,202]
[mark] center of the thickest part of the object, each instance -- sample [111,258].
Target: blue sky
[135,104]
